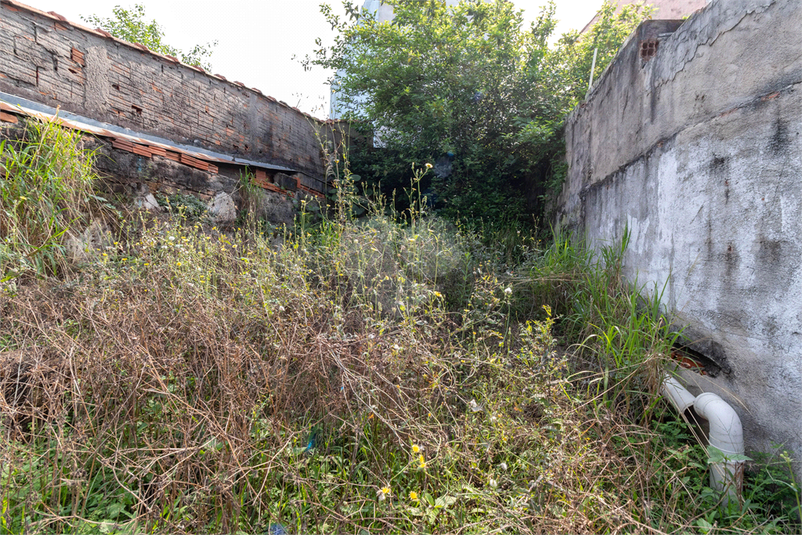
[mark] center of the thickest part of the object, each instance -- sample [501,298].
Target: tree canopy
[130,25]
[469,87]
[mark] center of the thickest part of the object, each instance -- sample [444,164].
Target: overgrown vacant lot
[393,374]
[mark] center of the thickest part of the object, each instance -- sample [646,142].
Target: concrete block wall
[49,60]
[697,152]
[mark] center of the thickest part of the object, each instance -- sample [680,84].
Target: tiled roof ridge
[142,48]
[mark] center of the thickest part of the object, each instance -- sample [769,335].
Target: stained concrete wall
[49,60]
[697,152]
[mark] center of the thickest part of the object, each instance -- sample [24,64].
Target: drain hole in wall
[710,363]
[648,49]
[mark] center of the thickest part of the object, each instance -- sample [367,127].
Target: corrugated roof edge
[142,48]
[21,106]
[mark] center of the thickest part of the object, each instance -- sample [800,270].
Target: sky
[257,39]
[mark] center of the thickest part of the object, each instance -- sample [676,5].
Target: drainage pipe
[726,434]
[677,394]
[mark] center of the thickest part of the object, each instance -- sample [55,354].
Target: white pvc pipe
[592,70]
[726,434]
[677,394]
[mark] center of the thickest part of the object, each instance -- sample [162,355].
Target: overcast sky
[258,38]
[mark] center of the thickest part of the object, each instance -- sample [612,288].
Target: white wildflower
[473,406]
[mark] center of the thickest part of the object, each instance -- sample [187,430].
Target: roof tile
[7,117]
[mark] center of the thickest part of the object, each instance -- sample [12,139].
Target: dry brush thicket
[361,375]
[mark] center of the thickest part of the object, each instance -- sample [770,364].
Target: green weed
[184,206]
[386,374]
[46,189]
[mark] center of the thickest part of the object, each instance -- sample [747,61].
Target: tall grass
[45,189]
[619,326]
[391,375]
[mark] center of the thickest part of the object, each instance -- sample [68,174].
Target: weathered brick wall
[60,64]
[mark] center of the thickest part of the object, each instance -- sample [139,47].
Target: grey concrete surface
[697,153]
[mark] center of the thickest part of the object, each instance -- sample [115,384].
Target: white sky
[258,38]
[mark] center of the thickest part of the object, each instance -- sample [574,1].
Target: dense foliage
[357,377]
[130,25]
[470,89]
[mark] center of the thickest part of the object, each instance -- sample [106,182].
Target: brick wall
[55,62]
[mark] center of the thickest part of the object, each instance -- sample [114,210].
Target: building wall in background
[662,9]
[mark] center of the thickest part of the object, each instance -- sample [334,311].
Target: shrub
[471,89]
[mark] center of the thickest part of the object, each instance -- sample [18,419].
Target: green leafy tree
[130,25]
[467,86]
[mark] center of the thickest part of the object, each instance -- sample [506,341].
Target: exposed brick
[77,56]
[192,162]
[8,118]
[122,144]
[174,101]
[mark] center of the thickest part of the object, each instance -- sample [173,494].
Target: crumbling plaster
[698,154]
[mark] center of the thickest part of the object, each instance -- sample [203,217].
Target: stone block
[222,209]
[285,181]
